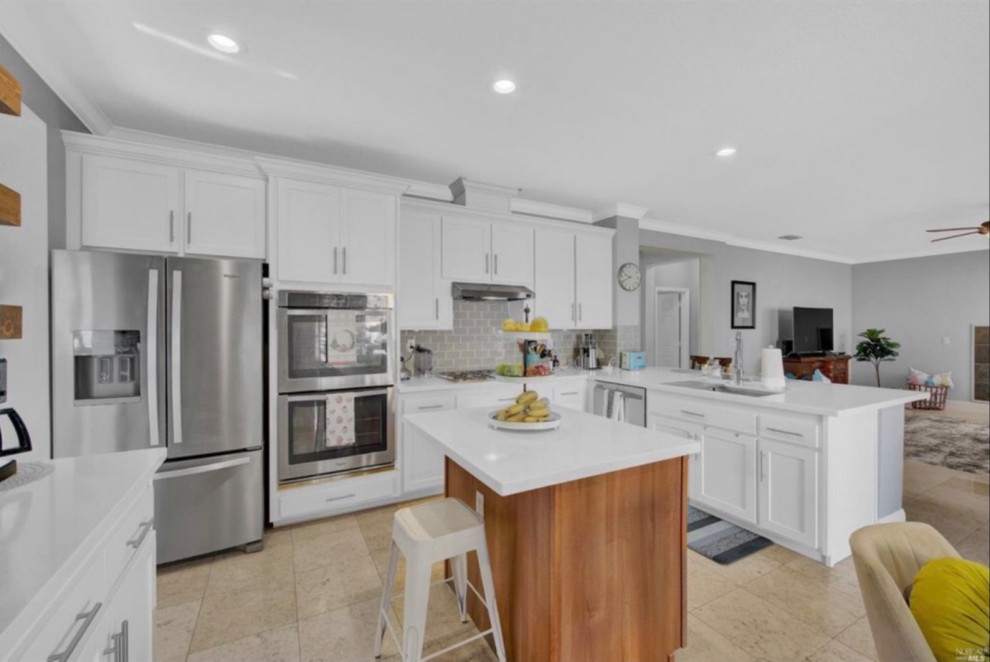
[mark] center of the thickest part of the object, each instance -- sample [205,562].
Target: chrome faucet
[737,358]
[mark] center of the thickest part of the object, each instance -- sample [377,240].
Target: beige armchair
[887,557]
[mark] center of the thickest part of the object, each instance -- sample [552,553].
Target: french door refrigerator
[160,351]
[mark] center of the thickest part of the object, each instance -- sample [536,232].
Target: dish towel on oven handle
[617,410]
[340,420]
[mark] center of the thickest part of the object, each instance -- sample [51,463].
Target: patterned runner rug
[719,540]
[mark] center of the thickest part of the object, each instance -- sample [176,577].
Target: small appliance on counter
[422,361]
[589,352]
[8,467]
[632,360]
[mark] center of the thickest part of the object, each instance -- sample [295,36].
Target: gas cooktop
[466,375]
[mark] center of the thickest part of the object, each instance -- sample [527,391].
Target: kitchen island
[586,528]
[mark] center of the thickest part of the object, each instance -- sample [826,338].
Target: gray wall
[56,115]
[919,302]
[782,282]
[659,271]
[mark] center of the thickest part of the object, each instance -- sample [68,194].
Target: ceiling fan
[983,229]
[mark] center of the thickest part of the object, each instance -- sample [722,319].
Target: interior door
[668,330]
[789,491]
[225,215]
[594,280]
[728,473]
[214,356]
[367,238]
[553,278]
[308,225]
[467,249]
[512,254]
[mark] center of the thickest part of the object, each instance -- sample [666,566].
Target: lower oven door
[334,431]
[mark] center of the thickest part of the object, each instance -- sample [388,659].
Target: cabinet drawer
[489,397]
[130,533]
[570,395]
[737,420]
[338,495]
[672,407]
[797,430]
[427,404]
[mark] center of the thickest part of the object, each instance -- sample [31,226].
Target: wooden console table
[835,368]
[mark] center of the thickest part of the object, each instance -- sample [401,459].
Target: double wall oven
[336,361]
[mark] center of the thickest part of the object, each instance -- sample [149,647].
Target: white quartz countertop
[426,384]
[48,525]
[511,462]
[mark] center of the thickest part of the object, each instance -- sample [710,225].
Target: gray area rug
[948,442]
[719,540]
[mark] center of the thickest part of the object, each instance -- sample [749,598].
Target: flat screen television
[812,330]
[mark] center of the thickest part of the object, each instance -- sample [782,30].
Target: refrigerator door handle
[202,469]
[151,355]
[176,343]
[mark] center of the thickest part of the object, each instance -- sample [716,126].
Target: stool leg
[417,598]
[489,585]
[393,563]
[458,566]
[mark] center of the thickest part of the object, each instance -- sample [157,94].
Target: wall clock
[629,277]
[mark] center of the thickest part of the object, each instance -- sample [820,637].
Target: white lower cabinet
[422,460]
[571,394]
[680,428]
[788,494]
[728,473]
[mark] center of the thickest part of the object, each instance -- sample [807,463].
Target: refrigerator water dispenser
[106,366]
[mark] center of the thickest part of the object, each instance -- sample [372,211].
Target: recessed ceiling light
[223,43]
[504,86]
[726,151]
[790,237]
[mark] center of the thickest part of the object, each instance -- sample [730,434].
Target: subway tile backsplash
[475,341]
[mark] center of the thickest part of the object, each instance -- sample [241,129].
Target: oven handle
[324,394]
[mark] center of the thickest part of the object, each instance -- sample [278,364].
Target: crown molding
[429,191]
[620,209]
[913,255]
[29,45]
[326,174]
[546,210]
[682,230]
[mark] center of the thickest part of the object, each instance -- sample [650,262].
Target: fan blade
[956,235]
[951,229]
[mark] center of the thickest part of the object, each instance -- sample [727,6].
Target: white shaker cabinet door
[367,238]
[225,215]
[423,301]
[728,473]
[512,254]
[553,280]
[789,491]
[594,281]
[467,249]
[129,204]
[682,429]
[308,222]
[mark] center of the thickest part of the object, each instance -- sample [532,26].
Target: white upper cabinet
[512,254]
[554,276]
[467,247]
[225,215]
[424,299]
[593,281]
[308,222]
[130,204]
[367,237]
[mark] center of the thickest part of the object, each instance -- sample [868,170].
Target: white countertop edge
[27,621]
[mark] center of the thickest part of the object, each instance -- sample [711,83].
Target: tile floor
[312,594]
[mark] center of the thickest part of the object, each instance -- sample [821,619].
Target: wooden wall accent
[589,570]
[10,206]
[10,322]
[10,93]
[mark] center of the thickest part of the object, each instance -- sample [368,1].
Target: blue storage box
[632,360]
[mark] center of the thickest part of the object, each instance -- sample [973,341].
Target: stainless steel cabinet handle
[176,341]
[580,312]
[692,413]
[115,647]
[760,460]
[574,312]
[143,529]
[496,264]
[171,226]
[426,407]
[344,252]
[341,498]
[436,308]
[87,618]
[486,262]
[335,260]
[787,432]
[571,393]
[506,400]
[151,356]
[125,637]
[188,227]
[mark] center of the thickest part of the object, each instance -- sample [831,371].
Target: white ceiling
[859,124]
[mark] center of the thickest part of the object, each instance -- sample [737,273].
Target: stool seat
[424,534]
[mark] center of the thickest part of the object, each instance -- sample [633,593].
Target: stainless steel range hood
[490,292]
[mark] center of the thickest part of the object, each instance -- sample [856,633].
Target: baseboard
[896,516]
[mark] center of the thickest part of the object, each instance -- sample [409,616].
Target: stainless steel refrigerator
[161,351]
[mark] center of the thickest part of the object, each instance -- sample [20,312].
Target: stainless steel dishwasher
[625,403]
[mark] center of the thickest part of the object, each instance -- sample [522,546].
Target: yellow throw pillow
[950,600]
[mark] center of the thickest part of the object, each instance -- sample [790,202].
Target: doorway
[672,327]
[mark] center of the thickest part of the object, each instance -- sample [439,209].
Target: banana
[501,415]
[538,411]
[527,397]
[516,418]
[542,401]
[532,419]
[515,409]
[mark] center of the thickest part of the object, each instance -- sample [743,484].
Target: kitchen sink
[698,385]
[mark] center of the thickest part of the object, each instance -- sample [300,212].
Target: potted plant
[876,348]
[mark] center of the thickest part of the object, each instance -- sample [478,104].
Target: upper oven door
[321,349]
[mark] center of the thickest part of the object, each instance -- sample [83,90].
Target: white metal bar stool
[425,534]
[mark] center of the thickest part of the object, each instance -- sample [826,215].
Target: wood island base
[592,569]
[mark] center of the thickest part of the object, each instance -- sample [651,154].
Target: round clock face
[629,276]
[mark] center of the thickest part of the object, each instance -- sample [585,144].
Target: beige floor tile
[749,568]
[968,485]
[858,637]
[841,576]
[226,617]
[475,651]
[442,616]
[952,523]
[278,645]
[704,585]
[704,644]
[760,628]
[920,477]
[815,602]
[957,502]
[182,582]
[342,635]
[779,554]
[269,569]
[317,550]
[835,651]
[349,580]
[174,630]
[322,527]
[277,538]
[976,547]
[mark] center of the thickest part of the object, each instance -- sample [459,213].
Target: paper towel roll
[773,368]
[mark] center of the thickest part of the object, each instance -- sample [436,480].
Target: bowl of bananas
[529,413]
